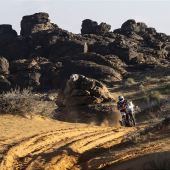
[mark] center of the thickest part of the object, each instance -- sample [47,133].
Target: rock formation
[81,90]
[44,56]
[92,27]
[87,99]
[36,23]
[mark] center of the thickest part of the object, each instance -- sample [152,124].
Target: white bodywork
[130,107]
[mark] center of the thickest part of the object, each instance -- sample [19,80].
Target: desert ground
[38,142]
[41,143]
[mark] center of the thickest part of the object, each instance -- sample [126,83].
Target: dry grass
[24,102]
[152,80]
[129,82]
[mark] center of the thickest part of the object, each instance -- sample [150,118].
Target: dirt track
[54,145]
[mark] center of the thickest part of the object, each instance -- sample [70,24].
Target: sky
[68,14]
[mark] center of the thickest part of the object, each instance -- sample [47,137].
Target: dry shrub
[151,80]
[129,82]
[24,102]
[155,96]
[152,98]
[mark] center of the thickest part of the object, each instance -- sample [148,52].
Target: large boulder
[88,26]
[129,25]
[36,23]
[85,100]
[92,27]
[103,28]
[81,90]
[132,26]
[4,66]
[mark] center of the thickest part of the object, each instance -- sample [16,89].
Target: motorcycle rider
[122,105]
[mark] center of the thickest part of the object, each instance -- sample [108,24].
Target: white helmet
[121,98]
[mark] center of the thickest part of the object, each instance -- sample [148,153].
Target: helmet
[121,98]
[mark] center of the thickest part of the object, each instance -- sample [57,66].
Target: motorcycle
[127,116]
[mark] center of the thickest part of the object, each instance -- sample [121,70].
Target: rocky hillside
[44,56]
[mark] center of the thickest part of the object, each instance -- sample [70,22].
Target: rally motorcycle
[127,116]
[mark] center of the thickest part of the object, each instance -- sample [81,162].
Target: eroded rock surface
[86,100]
[96,53]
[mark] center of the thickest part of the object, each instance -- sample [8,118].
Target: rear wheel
[123,121]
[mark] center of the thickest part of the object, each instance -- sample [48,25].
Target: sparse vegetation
[24,102]
[151,80]
[129,82]
[155,96]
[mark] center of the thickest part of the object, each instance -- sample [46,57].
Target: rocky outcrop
[107,69]
[92,27]
[132,26]
[44,56]
[81,90]
[39,73]
[87,99]
[36,23]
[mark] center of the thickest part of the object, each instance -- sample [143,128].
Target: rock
[129,25]
[50,75]
[141,27]
[4,84]
[36,23]
[81,90]
[91,69]
[92,27]
[132,26]
[100,48]
[68,48]
[7,37]
[4,66]
[44,56]
[85,100]
[103,28]
[88,26]
[25,73]
[24,65]
[151,31]
[20,48]
[7,34]
[25,79]
[107,69]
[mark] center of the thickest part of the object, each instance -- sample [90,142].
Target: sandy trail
[46,144]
